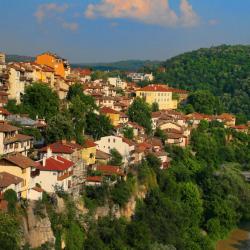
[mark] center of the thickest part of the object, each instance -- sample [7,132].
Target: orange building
[60,65]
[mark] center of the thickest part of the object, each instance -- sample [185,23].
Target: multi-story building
[60,65]
[12,142]
[159,94]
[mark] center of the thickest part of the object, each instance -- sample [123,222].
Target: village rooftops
[97,179]
[88,143]
[162,88]
[17,138]
[102,155]
[7,179]
[20,160]
[62,147]
[110,170]
[56,163]
[5,127]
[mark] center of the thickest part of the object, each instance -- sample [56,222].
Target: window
[114,140]
[22,144]
[11,145]
[109,140]
[24,171]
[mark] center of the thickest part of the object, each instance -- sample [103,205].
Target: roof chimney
[44,160]
[49,152]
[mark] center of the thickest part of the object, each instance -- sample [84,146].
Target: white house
[54,172]
[122,145]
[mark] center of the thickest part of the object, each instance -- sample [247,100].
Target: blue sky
[111,30]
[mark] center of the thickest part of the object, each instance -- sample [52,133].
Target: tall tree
[140,112]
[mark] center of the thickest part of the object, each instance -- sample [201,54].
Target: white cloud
[70,26]
[44,10]
[213,22]
[148,11]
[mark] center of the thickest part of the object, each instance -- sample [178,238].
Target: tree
[140,112]
[128,132]
[98,125]
[116,158]
[9,232]
[155,107]
[59,127]
[40,100]
[11,196]
[205,102]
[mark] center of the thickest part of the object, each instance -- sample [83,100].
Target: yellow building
[89,152]
[113,115]
[160,94]
[60,65]
[20,166]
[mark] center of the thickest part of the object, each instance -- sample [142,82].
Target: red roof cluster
[89,143]
[109,170]
[62,147]
[56,164]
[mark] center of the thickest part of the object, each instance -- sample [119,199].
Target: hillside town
[30,168]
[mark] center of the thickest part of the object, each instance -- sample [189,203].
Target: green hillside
[223,70]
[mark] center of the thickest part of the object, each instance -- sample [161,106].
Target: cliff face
[127,211]
[37,230]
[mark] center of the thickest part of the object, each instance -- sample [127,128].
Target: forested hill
[224,70]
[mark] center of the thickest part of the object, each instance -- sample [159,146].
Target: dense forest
[224,71]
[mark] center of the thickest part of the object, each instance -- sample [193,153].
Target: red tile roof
[5,127]
[89,143]
[56,164]
[7,179]
[20,160]
[3,111]
[106,110]
[94,179]
[155,88]
[58,148]
[110,170]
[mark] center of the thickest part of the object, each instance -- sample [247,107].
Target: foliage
[128,132]
[11,196]
[35,132]
[140,112]
[98,125]
[59,127]
[155,107]
[9,232]
[223,70]
[116,158]
[40,100]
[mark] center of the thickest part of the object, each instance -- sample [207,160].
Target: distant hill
[18,58]
[224,70]
[129,65]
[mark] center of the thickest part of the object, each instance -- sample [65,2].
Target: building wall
[48,181]
[164,99]
[87,153]
[46,59]
[114,118]
[107,143]
[5,166]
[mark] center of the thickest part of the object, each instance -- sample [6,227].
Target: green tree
[155,107]
[40,100]
[128,132]
[116,158]
[11,196]
[9,232]
[98,125]
[59,127]
[140,112]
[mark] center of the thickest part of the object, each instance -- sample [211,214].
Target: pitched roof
[94,179]
[57,163]
[5,127]
[7,179]
[155,88]
[18,138]
[3,111]
[20,160]
[106,110]
[88,143]
[110,170]
[58,148]
[102,155]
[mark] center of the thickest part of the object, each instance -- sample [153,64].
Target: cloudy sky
[110,30]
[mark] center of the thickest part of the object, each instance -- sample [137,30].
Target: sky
[112,30]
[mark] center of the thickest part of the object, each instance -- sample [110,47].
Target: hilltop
[223,70]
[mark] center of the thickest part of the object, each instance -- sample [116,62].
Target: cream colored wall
[17,171]
[164,99]
[86,152]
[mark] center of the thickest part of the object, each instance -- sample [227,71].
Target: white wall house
[122,145]
[54,172]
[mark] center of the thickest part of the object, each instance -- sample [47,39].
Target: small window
[114,140]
